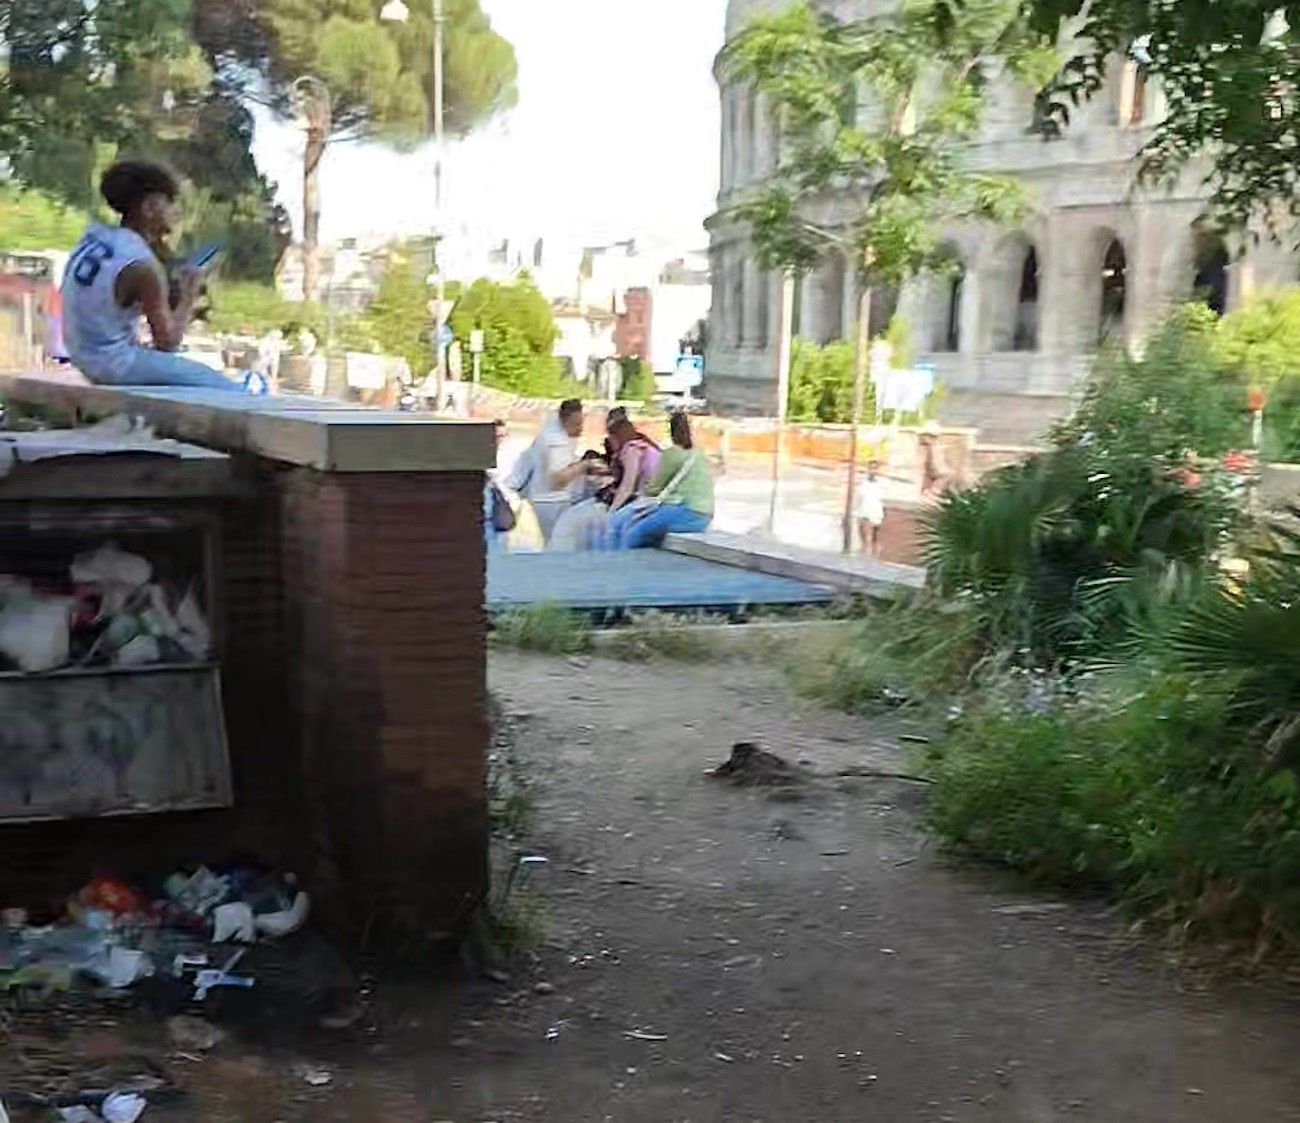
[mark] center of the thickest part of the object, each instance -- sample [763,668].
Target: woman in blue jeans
[683,489]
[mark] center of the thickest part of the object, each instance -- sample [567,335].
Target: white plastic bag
[36,634]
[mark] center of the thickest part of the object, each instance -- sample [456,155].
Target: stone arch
[1012,283]
[1211,261]
[939,310]
[1113,286]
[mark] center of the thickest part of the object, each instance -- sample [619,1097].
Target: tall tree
[379,75]
[872,116]
[87,82]
[1230,72]
[80,77]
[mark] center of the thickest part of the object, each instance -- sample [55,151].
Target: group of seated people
[629,495]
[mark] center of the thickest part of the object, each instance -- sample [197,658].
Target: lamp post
[396,11]
[317,110]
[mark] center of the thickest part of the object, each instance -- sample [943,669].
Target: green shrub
[548,628]
[1154,797]
[1069,554]
[638,380]
[821,383]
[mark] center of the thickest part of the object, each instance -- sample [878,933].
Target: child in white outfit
[871,509]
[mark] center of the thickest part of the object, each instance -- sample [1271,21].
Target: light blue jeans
[627,531]
[162,368]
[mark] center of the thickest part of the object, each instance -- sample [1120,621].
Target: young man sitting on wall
[115,278]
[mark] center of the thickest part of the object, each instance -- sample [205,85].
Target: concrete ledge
[306,432]
[844,575]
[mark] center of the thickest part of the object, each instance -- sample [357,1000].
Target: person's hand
[190,282]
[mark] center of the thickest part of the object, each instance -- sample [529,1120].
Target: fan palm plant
[1250,631]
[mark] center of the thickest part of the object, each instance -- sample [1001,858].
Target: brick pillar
[384,588]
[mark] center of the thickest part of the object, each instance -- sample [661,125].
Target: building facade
[1012,330]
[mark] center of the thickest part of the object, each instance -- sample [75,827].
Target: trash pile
[112,935]
[109,611]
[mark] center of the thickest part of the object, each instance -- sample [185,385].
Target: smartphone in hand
[205,257]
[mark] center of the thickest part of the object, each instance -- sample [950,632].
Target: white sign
[882,356]
[476,343]
[367,372]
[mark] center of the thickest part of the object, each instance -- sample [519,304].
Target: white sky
[615,135]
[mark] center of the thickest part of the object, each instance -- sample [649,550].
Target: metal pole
[784,348]
[439,140]
[859,396]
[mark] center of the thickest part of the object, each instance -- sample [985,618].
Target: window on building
[952,290]
[1025,337]
[1210,285]
[1114,290]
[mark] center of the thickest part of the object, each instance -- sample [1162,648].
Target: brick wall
[632,331]
[384,593]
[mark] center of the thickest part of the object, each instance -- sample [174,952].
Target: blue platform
[639,579]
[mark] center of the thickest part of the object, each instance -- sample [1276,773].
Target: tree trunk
[860,368]
[317,138]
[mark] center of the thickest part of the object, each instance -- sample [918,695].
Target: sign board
[445,336]
[86,743]
[476,342]
[367,372]
[881,358]
[690,371]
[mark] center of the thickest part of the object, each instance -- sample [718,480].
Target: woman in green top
[683,488]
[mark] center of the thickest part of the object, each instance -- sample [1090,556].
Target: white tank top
[102,336]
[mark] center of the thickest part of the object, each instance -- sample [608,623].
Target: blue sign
[445,336]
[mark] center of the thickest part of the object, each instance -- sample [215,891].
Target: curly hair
[126,184]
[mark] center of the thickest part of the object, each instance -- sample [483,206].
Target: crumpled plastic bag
[233,922]
[114,571]
[36,634]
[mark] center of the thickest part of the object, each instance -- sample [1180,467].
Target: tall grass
[547,628]
[1149,794]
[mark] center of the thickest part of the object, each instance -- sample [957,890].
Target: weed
[548,628]
[1148,793]
[905,653]
[658,635]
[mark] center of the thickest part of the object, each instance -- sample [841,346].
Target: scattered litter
[233,922]
[1031,910]
[193,1034]
[642,1035]
[313,1075]
[556,1028]
[123,1107]
[117,1107]
[751,766]
[119,967]
[1196,1091]
[544,988]
[834,853]
[888,951]
[725,1058]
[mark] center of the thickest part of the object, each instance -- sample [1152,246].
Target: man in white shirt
[114,280]
[550,475]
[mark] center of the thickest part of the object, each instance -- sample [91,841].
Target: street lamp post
[396,11]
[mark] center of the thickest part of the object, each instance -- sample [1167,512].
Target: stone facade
[1097,255]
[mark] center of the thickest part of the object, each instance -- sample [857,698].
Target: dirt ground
[718,953]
